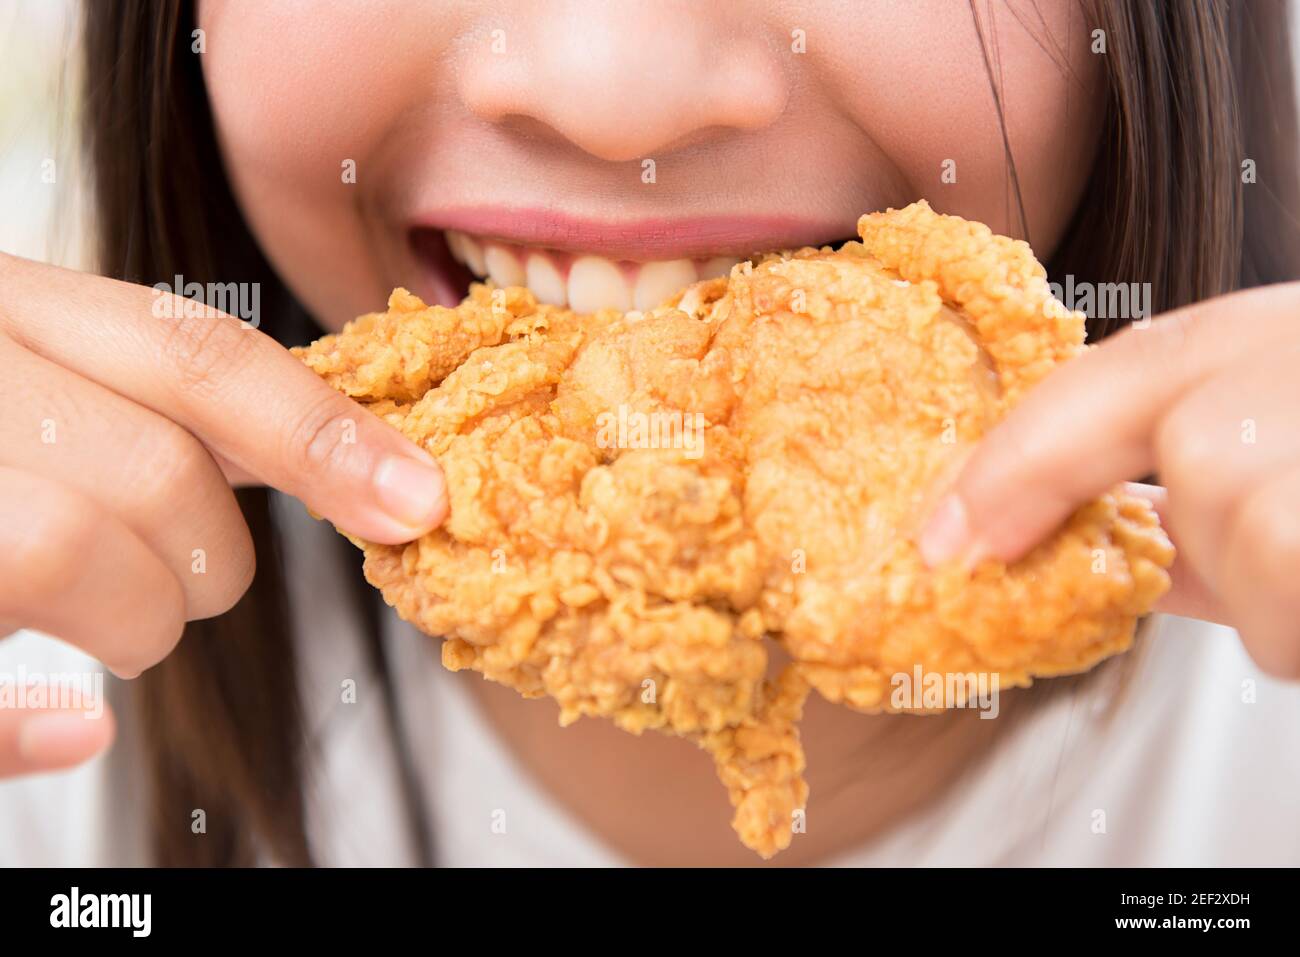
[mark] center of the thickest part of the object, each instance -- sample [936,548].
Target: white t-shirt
[1197,764]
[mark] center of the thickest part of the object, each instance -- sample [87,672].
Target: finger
[1228,435]
[1188,594]
[1257,578]
[75,571]
[1089,425]
[238,391]
[234,475]
[143,468]
[50,739]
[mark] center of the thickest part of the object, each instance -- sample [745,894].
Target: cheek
[920,86]
[302,104]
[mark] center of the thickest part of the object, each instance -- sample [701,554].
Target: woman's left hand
[1208,399]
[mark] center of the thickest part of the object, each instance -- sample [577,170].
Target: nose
[627,80]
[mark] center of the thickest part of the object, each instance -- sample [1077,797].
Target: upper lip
[642,240]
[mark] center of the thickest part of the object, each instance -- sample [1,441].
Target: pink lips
[641,240]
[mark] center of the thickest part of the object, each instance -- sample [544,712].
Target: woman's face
[605,152]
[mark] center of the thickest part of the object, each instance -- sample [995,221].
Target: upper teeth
[502,267]
[657,281]
[541,276]
[585,283]
[596,283]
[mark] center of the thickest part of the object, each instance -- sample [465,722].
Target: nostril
[620,93]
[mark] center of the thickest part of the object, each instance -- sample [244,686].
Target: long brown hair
[1165,204]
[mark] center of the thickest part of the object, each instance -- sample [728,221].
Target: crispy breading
[641,503]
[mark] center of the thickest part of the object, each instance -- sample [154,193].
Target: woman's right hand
[120,434]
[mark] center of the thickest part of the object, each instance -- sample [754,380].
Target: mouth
[583,282]
[585,266]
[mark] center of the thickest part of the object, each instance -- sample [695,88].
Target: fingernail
[947,534]
[47,737]
[410,491]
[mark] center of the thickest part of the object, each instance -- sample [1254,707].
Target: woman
[320,155]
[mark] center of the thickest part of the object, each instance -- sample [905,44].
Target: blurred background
[42,179]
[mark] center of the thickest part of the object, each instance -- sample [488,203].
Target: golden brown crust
[640,503]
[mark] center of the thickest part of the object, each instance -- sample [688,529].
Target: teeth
[657,281]
[596,283]
[502,267]
[473,256]
[456,243]
[453,244]
[592,282]
[545,281]
[718,266]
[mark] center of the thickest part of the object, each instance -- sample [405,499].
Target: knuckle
[1264,547]
[324,436]
[239,583]
[149,642]
[164,634]
[44,547]
[153,635]
[175,473]
[204,351]
[1269,533]
[231,585]
[1186,452]
[169,458]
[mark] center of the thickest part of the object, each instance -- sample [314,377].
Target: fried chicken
[645,507]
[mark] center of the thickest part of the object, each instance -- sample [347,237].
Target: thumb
[1090,425]
[255,407]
